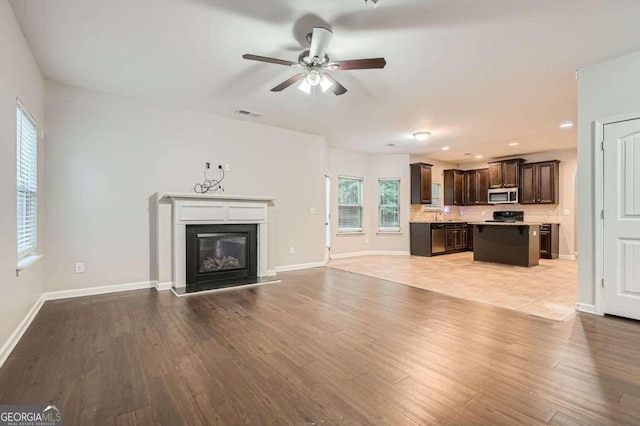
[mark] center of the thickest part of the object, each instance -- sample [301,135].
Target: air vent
[249,113]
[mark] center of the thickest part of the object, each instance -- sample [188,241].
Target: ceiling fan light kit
[316,63]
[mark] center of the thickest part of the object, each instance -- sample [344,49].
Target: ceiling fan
[316,65]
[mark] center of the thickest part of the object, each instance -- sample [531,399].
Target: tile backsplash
[532,213]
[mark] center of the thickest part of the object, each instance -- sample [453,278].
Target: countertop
[508,223]
[432,221]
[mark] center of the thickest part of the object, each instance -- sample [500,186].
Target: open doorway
[327,216]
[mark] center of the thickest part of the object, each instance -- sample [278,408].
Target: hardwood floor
[324,347]
[549,290]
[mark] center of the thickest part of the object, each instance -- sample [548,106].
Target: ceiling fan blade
[280,87]
[270,60]
[337,88]
[358,64]
[320,40]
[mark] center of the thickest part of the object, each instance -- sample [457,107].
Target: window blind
[436,195]
[349,204]
[27,181]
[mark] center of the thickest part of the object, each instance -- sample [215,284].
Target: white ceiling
[478,74]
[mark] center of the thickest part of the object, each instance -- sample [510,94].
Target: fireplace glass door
[221,252]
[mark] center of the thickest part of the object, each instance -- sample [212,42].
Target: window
[436,197]
[389,205]
[349,204]
[27,181]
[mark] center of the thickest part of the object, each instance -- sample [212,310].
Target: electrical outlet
[312,210]
[227,167]
[366,240]
[79,268]
[550,212]
[292,250]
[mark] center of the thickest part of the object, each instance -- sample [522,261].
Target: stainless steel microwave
[503,196]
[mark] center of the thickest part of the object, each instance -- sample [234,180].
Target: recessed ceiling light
[513,144]
[422,136]
[445,148]
[566,125]
[478,156]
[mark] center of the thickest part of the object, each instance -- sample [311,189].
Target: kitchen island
[510,243]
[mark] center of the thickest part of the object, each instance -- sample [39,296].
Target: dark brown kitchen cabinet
[505,174]
[549,241]
[454,239]
[421,183]
[468,236]
[453,187]
[476,187]
[540,182]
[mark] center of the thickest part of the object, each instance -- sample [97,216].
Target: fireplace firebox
[218,255]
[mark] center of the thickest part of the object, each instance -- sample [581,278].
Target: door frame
[598,147]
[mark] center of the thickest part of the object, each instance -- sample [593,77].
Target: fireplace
[219,255]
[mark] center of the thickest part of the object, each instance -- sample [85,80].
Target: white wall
[604,90]
[347,163]
[106,155]
[19,78]
[390,166]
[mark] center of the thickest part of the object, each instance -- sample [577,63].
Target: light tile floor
[548,290]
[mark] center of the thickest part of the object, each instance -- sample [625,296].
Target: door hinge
[602,214]
[602,145]
[602,283]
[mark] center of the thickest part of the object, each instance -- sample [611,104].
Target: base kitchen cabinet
[436,238]
[549,241]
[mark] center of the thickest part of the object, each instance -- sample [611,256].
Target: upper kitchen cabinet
[505,174]
[421,183]
[540,182]
[453,187]
[476,187]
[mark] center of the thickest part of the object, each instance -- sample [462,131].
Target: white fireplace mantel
[209,209]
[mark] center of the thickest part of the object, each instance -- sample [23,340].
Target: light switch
[312,210]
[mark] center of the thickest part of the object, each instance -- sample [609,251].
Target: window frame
[433,206]
[21,113]
[389,230]
[360,205]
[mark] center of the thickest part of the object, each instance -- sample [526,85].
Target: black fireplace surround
[218,255]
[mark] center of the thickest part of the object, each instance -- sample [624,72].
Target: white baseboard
[93,291]
[346,255]
[17,334]
[162,286]
[567,257]
[586,308]
[370,253]
[300,266]
[271,273]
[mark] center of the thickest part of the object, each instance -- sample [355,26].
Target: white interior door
[622,219]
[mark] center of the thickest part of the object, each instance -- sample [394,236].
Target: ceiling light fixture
[422,136]
[325,83]
[445,148]
[513,144]
[305,87]
[566,125]
[478,156]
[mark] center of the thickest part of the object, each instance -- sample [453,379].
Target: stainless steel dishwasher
[438,237]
